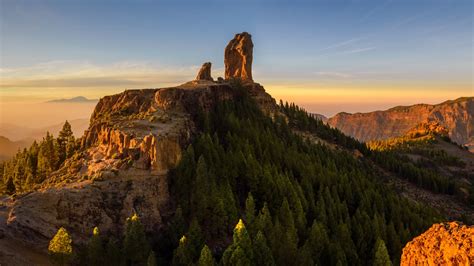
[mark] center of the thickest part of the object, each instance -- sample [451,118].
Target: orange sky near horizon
[24,91]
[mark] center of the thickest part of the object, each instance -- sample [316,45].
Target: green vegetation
[302,201]
[423,170]
[32,166]
[251,191]
[60,248]
[388,155]
[420,144]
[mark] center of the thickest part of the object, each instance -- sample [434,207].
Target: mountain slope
[213,168]
[429,148]
[18,133]
[235,150]
[456,116]
[9,148]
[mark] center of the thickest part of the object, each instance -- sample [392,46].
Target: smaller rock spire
[205,72]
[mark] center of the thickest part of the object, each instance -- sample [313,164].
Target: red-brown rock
[205,72]
[457,116]
[443,244]
[238,57]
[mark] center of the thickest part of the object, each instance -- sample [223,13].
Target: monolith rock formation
[443,244]
[133,139]
[238,57]
[205,72]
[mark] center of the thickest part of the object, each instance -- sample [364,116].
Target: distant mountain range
[319,116]
[9,148]
[455,115]
[78,99]
[14,137]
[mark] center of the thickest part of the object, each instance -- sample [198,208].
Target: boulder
[238,57]
[205,72]
[443,244]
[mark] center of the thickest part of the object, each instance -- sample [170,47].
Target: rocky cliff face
[134,138]
[443,244]
[456,116]
[238,57]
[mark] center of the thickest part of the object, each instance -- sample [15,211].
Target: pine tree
[287,245]
[263,254]
[241,251]
[10,186]
[200,197]
[305,256]
[344,237]
[113,256]
[60,247]
[177,227]
[381,257]
[249,210]
[182,255]
[70,146]
[264,220]
[95,249]
[206,258]
[318,241]
[151,261]
[195,241]
[47,156]
[63,140]
[135,245]
[239,258]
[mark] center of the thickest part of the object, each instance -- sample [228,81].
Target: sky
[327,56]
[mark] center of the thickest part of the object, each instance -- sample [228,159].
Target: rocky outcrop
[238,57]
[35,217]
[205,72]
[133,139]
[456,116]
[426,128]
[443,244]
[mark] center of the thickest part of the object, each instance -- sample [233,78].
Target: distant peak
[77,99]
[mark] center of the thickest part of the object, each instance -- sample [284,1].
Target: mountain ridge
[77,99]
[183,165]
[456,115]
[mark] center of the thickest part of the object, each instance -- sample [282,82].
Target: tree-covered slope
[306,203]
[300,202]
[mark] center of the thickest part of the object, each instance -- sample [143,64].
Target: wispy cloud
[340,44]
[63,74]
[333,75]
[375,10]
[415,17]
[359,50]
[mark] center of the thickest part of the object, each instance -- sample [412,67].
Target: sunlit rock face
[205,72]
[133,140]
[443,244]
[238,57]
[457,116]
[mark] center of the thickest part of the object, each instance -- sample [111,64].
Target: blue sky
[328,56]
